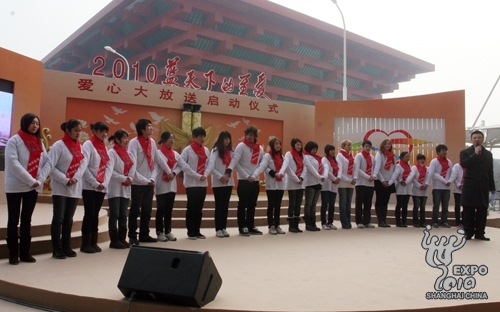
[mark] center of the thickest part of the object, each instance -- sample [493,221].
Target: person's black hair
[164,137]
[420,156]
[70,124]
[366,142]
[26,121]
[99,126]
[252,129]
[119,134]
[477,132]
[141,125]
[295,141]
[310,146]
[441,147]
[271,145]
[199,132]
[328,148]
[219,144]
[403,154]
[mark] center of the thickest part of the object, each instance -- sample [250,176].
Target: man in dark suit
[478,183]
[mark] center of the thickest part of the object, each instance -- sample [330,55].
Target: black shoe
[387,225]
[381,225]
[399,225]
[422,225]
[445,225]
[147,239]
[200,236]
[254,231]
[310,228]
[468,237]
[244,231]
[483,238]
[133,241]
[416,225]
[435,225]
[69,252]
[58,254]
[404,225]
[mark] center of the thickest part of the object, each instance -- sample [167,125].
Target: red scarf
[369,162]
[103,153]
[278,162]
[35,148]
[334,164]
[390,159]
[226,159]
[422,172]
[406,169]
[299,161]
[199,150]
[444,166]
[171,160]
[350,159]
[147,148]
[76,150]
[255,150]
[318,159]
[125,157]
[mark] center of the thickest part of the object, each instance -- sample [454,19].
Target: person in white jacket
[142,150]
[347,183]
[219,160]
[440,174]
[169,164]
[364,175]
[458,173]
[26,168]
[294,162]
[68,165]
[329,188]
[195,182]
[273,165]
[119,189]
[385,161]
[402,177]
[95,185]
[313,175]
[419,191]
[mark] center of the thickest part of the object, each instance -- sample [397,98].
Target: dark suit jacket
[478,177]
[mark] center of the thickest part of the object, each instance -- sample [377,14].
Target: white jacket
[115,187]
[380,172]
[267,164]
[345,179]
[360,171]
[143,173]
[161,186]
[397,177]
[241,161]
[292,181]
[328,185]
[191,177]
[438,182]
[217,169]
[93,161]
[310,173]
[416,191]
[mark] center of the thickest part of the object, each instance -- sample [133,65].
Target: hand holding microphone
[478,149]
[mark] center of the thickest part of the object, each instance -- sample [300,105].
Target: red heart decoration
[393,141]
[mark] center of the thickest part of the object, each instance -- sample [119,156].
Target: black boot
[13,246]
[291,225]
[307,220]
[86,248]
[313,223]
[93,241]
[297,221]
[24,250]
[122,237]
[115,243]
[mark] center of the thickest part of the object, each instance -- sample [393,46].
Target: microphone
[480,149]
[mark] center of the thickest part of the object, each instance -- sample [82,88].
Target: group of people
[134,171]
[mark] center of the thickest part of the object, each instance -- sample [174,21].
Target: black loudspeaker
[173,276]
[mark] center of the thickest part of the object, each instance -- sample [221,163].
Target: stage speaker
[173,276]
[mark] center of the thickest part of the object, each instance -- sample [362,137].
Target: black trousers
[141,204]
[364,198]
[402,208]
[117,213]
[294,202]
[92,203]
[62,220]
[458,217]
[383,194]
[164,207]
[274,198]
[222,195]
[419,203]
[327,204]
[475,220]
[248,193]
[194,210]
[15,212]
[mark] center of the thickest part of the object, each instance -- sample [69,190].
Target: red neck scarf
[255,150]
[390,159]
[369,162]
[76,151]
[125,157]
[350,159]
[299,161]
[147,148]
[103,153]
[199,150]
[444,166]
[406,169]
[334,164]
[171,161]
[278,162]
[422,172]
[318,159]
[226,159]
[35,148]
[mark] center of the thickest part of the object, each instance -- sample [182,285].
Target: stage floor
[344,270]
